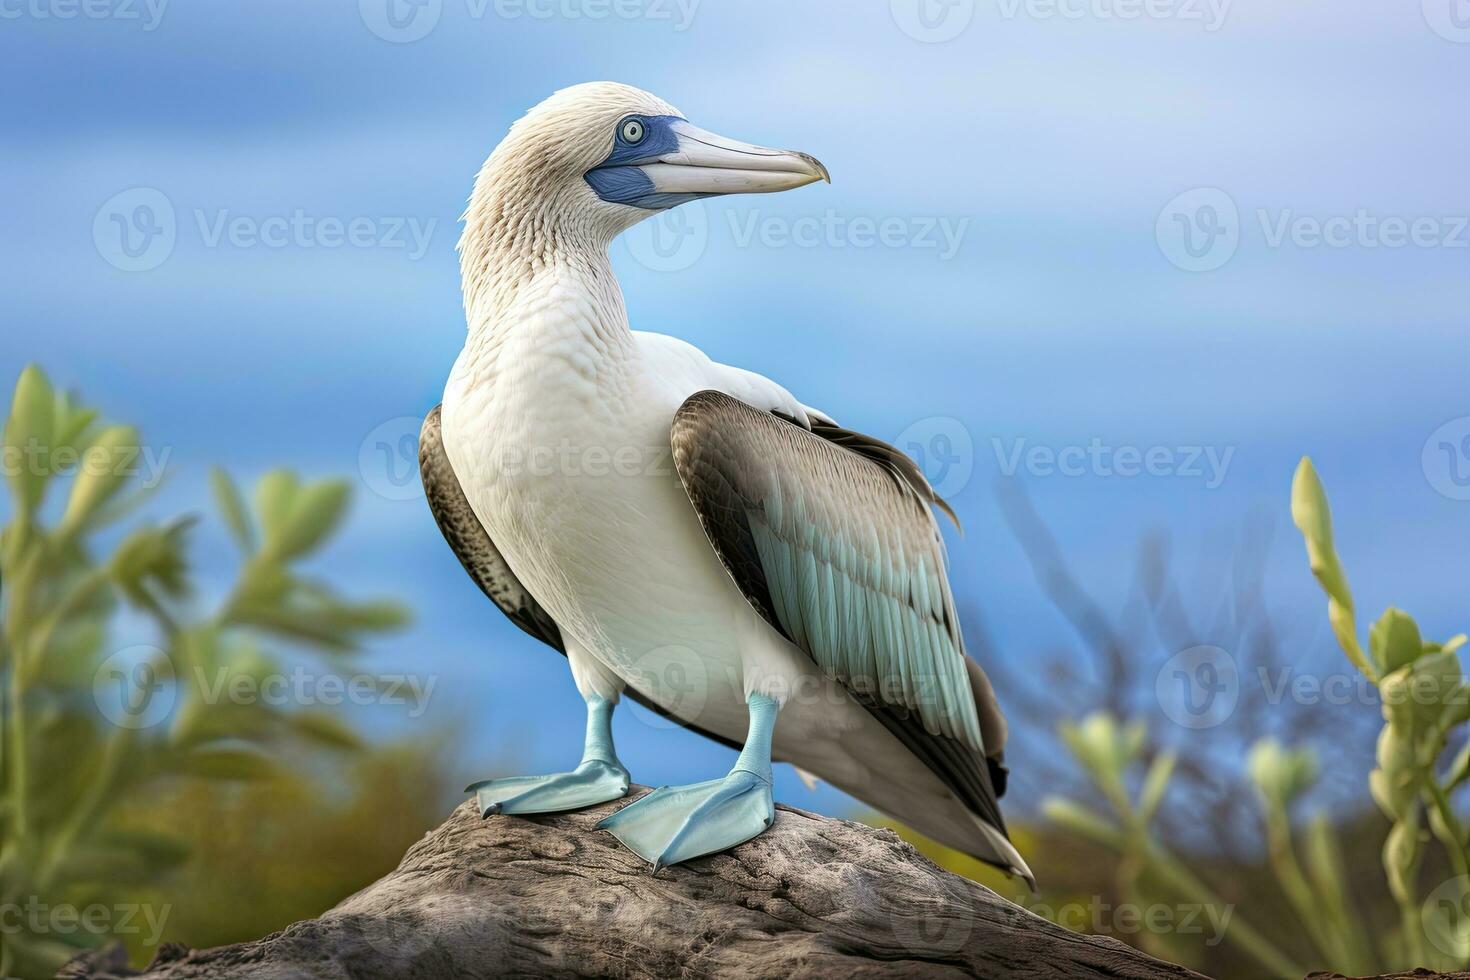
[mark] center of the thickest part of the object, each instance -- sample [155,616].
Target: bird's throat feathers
[531,261]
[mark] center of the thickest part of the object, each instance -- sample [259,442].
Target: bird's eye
[632,131]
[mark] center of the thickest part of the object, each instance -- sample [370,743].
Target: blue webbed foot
[676,823]
[594,781]
[599,779]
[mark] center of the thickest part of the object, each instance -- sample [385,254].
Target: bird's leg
[599,778]
[676,823]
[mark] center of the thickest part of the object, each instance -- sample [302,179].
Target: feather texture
[830,535]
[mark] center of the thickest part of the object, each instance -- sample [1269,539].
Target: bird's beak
[703,163]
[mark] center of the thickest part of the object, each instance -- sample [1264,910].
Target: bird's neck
[527,271]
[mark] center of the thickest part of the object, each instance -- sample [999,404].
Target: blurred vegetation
[148,789]
[1210,825]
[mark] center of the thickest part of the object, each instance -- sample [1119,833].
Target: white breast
[566,462]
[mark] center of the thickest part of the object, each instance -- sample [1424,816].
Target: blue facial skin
[618,180]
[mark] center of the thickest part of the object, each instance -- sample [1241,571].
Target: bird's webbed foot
[592,782]
[599,778]
[676,823]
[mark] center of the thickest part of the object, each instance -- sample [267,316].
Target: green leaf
[1394,640]
[1281,774]
[314,514]
[274,495]
[28,440]
[295,624]
[1081,821]
[158,851]
[1155,783]
[72,421]
[232,508]
[325,728]
[1401,858]
[1313,516]
[228,762]
[153,557]
[1459,769]
[104,469]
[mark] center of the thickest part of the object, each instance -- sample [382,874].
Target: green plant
[1111,753]
[1425,697]
[84,733]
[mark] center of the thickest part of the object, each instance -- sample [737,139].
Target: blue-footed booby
[687,532]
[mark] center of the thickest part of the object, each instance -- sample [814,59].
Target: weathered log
[553,896]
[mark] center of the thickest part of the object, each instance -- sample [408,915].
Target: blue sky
[1054,144]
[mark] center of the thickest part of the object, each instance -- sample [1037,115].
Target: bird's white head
[597,158]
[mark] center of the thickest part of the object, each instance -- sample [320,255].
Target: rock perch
[551,896]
